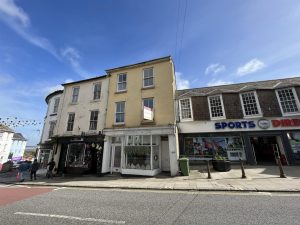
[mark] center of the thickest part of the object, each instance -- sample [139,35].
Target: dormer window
[216,107]
[250,104]
[288,101]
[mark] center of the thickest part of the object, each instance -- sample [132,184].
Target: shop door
[264,149]
[165,156]
[116,158]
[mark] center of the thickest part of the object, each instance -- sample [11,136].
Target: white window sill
[291,114]
[253,116]
[186,120]
[218,118]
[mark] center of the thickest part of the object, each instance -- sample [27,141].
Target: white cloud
[250,67]
[5,79]
[9,8]
[73,57]
[57,87]
[215,82]
[214,69]
[180,82]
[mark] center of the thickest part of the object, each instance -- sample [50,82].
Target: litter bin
[184,166]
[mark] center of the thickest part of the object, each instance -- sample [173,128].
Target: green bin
[184,166]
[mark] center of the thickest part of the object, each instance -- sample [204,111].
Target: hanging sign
[148,113]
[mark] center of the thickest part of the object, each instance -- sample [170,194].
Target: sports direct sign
[254,124]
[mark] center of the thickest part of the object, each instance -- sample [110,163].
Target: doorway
[116,150]
[267,149]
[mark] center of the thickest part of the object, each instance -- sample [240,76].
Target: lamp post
[208,169]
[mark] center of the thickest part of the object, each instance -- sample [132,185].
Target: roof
[162,59]
[53,94]
[4,128]
[240,87]
[19,136]
[89,79]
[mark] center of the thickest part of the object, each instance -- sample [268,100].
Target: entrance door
[165,156]
[116,150]
[265,149]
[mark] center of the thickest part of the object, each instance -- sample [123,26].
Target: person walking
[33,169]
[22,169]
[51,166]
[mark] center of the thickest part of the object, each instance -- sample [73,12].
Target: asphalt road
[100,206]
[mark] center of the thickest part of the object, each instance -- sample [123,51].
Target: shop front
[140,151]
[80,155]
[257,141]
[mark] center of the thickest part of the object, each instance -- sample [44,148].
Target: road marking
[70,217]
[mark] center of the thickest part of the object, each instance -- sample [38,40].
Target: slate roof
[4,128]
[239,87]
[19,136]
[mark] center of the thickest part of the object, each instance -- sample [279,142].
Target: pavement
[259,179]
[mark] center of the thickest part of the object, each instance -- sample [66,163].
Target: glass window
[185,109]
[77,155]
[120,112]
[75,94]
[51,129]
[288,100]
[148,77]
[122,82]
[97,91]
[56,103]
[148,102]
[71,121]
[216,106]
[250,104]
[94,120]
[294,139]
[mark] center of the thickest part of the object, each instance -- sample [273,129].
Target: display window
[138,151]
[230,147]
[294,139]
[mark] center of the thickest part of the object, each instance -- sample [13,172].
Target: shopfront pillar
[173,153]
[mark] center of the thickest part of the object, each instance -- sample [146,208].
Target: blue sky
[46,43]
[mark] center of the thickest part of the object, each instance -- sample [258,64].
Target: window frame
[257,105]
[296,100]
[148,86]
[94,91]
[143,104]
[72,97]
[51,131]
[93,121]
[118,82]
[191,109]
[222,106]
[55,107]
[116,107]
[68,121]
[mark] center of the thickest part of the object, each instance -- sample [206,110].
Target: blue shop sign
[233,125]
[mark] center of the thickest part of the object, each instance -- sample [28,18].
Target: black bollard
[282,175]
[208,170]
[242,168]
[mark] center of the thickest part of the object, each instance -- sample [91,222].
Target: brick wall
[232,106]
[200,108]
[268,103]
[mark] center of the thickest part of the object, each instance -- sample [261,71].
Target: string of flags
[13,122]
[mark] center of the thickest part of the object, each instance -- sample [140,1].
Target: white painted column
[173,152]
[106,155]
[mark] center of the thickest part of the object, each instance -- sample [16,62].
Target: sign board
[148,113]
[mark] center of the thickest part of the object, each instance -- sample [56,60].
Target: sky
[46,43]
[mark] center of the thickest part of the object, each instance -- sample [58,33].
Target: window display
[294,139]
[206,147]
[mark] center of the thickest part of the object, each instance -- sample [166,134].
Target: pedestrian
[33,169]
[51,166]
[22,169]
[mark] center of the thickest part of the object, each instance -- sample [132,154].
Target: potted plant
[220,163]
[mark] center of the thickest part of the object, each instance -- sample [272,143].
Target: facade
[140,131]
[78,139]
[45,148]
[6,136]
[17,147]
[256,121]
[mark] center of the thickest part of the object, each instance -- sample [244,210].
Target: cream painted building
[78,135]
[140,131]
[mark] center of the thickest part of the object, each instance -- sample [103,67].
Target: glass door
[116,157]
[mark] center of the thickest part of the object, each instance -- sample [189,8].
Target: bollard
[208,170]
[282,175]
[242,168]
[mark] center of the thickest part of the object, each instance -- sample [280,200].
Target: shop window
[185,109]
[216,107]
[250,104]
[207,147]
[294,139]
[138,151]
[288,101]
[76,156]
